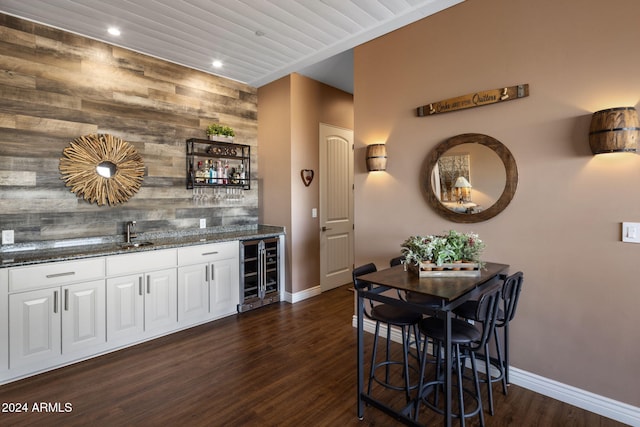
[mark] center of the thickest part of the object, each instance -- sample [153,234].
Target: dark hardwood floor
[282,365]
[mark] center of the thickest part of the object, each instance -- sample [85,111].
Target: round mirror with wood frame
[511,180]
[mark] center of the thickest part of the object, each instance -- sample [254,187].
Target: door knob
[325,228]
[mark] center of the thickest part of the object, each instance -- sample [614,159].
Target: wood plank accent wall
[56,86]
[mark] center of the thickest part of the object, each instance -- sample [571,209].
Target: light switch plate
[631,232]
[203,222]
[7,237]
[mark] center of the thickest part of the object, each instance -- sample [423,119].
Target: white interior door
[336,206]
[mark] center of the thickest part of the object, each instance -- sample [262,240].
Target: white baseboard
[583,399]
[592,402]
[302,295]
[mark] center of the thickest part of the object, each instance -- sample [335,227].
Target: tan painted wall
[578,316]
[290,111]
[274,159]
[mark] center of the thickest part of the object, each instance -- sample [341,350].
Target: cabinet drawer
[140,262]
[205,253]
[55,273]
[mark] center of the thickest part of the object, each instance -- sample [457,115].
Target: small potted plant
[472,248]
[218,132]
[417,249]
[444,251]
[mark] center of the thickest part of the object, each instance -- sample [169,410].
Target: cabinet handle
[206,272]
[68,273]
[140,285]
[262,268]
[66,300]
[213,273]
[210,253]
[55,301]
[148,284]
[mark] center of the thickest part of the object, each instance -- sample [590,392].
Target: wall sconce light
[376,157]
[614,130]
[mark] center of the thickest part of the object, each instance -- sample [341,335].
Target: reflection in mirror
[469,178]
[106,169]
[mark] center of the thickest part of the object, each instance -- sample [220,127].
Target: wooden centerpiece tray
[455,269]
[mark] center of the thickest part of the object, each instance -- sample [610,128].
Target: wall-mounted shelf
[212,163]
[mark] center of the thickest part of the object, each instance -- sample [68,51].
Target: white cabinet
[83,316]
[208,280]
[125,308]
[53,322]
[160,300]
[35,335]
[193,293]
[51,274]
[56,313]
[223,286]
[144,303]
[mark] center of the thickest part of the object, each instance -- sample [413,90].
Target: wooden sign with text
[477,99]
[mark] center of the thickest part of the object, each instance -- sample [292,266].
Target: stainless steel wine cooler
[259,273]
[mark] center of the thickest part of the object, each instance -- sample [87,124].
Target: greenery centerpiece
[217,130]
[453,251]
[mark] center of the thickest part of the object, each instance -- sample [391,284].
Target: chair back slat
[361,271]
[487,314]
[396,261]
[510,295]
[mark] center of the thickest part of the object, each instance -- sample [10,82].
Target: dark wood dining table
[452,291]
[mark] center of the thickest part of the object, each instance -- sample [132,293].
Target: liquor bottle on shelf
[220,172]
[242,174]
[215,167]
[200,174]
[213,174]
[226,172]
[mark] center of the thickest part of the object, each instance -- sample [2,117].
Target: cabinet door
[34,337]
[193,293]
[125,308]
[223,287]
[83,316]
[161,300]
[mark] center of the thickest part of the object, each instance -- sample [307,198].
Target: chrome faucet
[131,231]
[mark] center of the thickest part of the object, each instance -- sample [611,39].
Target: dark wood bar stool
[466,341]
[389,315]
[511,288]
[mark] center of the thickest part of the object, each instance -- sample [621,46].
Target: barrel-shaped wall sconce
[376,157]
[614,130]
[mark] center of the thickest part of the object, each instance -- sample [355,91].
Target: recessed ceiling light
[217,64]
[114,31]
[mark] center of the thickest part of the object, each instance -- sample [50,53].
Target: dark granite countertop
[64,250]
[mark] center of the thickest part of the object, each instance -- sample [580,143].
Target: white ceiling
[258,41]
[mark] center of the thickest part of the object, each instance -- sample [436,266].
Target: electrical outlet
[203,222]
[7,237]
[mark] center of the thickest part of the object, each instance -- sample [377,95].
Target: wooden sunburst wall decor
[102,168]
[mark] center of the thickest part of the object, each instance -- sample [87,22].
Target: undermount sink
[132,245]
